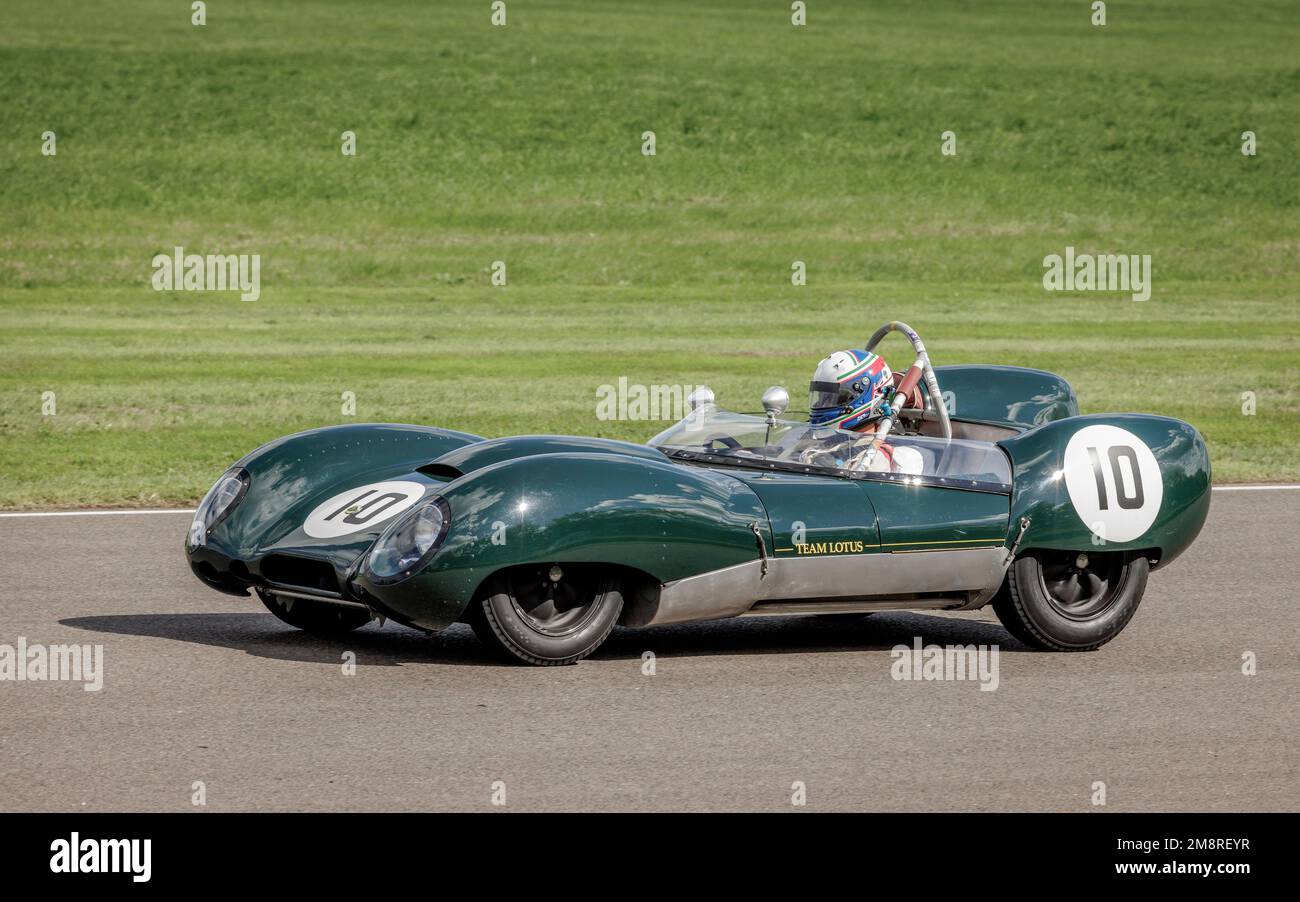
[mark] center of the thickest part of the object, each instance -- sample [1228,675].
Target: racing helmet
[849,390]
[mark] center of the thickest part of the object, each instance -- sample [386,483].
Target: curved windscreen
[719,436]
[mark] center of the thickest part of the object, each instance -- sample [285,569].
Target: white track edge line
[99,513]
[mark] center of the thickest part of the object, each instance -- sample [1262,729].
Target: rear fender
[1110,482]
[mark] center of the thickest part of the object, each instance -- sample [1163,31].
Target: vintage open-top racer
[543,543]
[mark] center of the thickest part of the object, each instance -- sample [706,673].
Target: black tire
[318,617]
[1050,602]
[530,616]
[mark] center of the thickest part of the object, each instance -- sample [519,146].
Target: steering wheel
[910,381]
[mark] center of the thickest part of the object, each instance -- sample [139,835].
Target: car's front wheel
[320,617]
[547,614]
[1071,600]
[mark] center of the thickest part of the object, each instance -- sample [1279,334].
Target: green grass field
[522,144]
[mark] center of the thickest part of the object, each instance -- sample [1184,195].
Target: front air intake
[306,573]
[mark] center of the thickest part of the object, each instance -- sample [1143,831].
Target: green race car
[544,543]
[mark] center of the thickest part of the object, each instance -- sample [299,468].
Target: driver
[850,391]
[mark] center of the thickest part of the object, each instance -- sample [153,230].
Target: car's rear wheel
[320,617]
[547,614]
[1071,600]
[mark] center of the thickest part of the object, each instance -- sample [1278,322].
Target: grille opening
[300,571]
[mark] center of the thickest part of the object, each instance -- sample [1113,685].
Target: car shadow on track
[393,645]
[264,636]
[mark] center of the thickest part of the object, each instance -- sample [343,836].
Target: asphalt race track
[203,687]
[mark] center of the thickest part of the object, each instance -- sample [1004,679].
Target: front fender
[664,519]
[291,475]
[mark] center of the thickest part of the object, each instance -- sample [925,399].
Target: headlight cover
[406,544]
[217,504]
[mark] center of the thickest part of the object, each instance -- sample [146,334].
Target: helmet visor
[823,395]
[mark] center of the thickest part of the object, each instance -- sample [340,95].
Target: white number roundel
[1114,482]
[363,507]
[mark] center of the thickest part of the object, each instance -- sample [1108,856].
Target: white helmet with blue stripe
[849,389]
